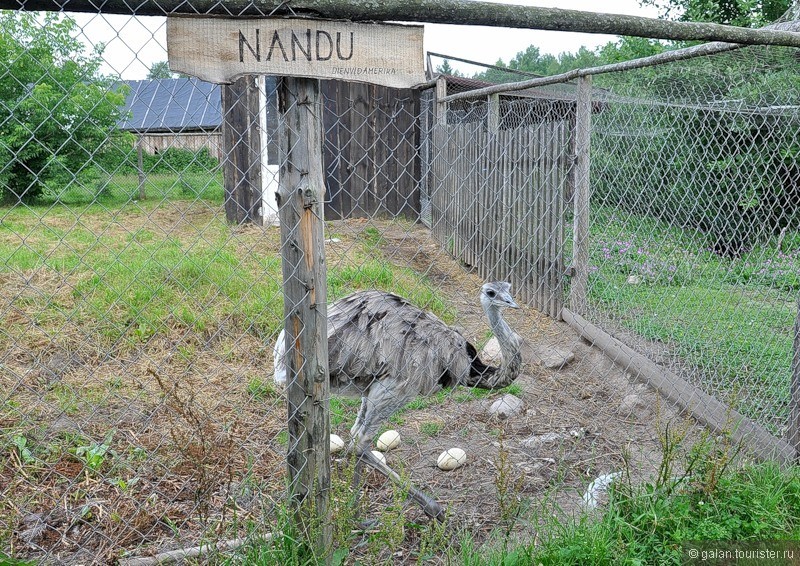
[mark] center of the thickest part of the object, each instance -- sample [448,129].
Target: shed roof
[171,105]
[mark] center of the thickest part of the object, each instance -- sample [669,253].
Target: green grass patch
[134,283]
[122,188]
[730,317]
[649,524]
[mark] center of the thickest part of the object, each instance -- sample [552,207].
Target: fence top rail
[460,12]
[705,49]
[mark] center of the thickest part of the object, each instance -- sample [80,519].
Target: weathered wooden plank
[702,406]
[439,163]
[541,212]
[545,218]
[242,151]
[561,150]
[222,49]
[579,287]
[301,196]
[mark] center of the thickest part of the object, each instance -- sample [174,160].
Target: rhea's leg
[381,403]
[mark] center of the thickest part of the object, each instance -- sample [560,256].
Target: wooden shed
[182,113]
[372,165]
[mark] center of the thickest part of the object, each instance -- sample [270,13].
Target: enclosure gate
[498,200]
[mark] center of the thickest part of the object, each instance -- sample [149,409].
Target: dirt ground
[579,421]
[205,449]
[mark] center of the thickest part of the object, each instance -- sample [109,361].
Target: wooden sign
[219,50]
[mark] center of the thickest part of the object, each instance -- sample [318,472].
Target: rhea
[388,351]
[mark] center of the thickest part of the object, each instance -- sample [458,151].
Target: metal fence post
[794,416]
[301,196]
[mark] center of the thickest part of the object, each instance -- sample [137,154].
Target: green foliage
[447,69]
[734,178]
[745,13]
[533,61]
[56,112]
[121,158]
[23,451]
[94,455]
[159,70]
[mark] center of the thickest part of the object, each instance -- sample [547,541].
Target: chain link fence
[693,256]
[140,415]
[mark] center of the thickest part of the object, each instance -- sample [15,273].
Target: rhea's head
[497,295]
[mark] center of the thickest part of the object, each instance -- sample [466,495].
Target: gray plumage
[389,351]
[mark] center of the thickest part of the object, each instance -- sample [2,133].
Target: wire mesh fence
[694,253]
[140,413]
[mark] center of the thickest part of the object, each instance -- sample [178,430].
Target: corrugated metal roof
[171,105]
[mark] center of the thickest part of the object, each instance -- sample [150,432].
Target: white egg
[337,444]
[451,459]
[379,456]
[389,440]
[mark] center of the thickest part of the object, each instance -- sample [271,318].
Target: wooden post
[579,287]
[241,142]
[439,199]
[493,116]
[794,415]
[140,167]
[301,197]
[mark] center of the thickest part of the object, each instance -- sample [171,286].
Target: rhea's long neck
[510,344]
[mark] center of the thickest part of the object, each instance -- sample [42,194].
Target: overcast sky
[134,44]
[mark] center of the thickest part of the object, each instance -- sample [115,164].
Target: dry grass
[197,448]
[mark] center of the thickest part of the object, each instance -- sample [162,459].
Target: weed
[431,429]
[23,452]
[94,455]
[204,444]
[507,486]
[260,390]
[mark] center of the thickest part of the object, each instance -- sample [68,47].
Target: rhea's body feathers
[389,351]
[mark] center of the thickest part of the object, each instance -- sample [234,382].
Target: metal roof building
[171,105]
[183,113]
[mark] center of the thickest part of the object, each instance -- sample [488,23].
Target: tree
[160,70]
[447,69]
[746,13]
[57,113]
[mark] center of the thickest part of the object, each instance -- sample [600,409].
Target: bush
[57,112]
[122,157]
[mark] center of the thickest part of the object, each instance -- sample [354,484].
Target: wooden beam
[702,406]
[461,12]
[301,197]
[579,285]
[241,141]
[672,56]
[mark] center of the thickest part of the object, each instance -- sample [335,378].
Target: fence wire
[694,222]
[142,292]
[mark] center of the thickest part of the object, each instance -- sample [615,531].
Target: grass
[699,495]
[730,317]
[652,524]
[102,267]
[136,290]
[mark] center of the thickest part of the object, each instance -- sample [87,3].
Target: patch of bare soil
[183,439]
[583,420]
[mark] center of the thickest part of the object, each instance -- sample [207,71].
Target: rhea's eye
[490,294]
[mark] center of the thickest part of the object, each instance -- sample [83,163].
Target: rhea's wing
[373,334]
